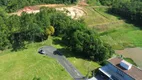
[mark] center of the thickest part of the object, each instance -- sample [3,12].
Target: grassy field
[112,29]
[27,64]
[125,35]
[84,66]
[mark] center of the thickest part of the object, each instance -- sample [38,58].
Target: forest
[128,9]
[17,31]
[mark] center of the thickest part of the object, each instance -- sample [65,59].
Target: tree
[50,31]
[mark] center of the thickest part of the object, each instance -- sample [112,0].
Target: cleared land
[74,11]
[116,32]
[84,66]
[29,65]
[112,29]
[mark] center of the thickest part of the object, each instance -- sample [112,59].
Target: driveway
[54,53]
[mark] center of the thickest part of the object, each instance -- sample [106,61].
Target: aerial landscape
[70,40]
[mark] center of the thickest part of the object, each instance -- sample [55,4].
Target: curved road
[54,53]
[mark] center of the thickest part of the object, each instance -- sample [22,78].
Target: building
[119,69]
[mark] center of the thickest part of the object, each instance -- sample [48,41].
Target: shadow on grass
[57,41]
[127,20]
[67,51]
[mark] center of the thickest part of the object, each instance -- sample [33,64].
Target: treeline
[13,5]
[16,31]
[128,9]
[131,10]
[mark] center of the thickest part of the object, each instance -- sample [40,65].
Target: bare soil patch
[133,53]
[82,3]
[73,11]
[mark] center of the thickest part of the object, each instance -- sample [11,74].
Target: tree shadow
[125,18]
[67,52]
[57,41]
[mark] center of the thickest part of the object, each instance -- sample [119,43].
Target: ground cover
[112,29]
[29,65]
[84,66]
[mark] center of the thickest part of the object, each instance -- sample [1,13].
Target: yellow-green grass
[27,64]
[125,35]
[98,15]
[81,64]
[84,66]
[113,29]
[93,2]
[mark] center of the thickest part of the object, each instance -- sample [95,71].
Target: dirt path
[134,53]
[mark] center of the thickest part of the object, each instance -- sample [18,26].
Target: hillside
[29,65]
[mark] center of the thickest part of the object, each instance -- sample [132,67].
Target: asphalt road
[54,53]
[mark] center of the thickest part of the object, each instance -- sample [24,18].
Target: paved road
[52,52]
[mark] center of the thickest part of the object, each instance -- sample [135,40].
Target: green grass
[93,2]
[84,66]
[130,61]
[98,15]
[28,65]
[112,29]
[125,35]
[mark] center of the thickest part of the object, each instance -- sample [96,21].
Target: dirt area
[134,53]
[82,3]
[74,11]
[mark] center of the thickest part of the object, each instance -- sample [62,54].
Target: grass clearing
[28,65]
[125,35]
[84,66]
[98,15]
[112,29]
[81,64]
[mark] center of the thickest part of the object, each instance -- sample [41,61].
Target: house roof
[134,72]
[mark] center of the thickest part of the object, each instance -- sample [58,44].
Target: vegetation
[130,61]
[107,2]
[94,2]
[84,66]
[110,26]
[28,64]
[128,9]
[37,27]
